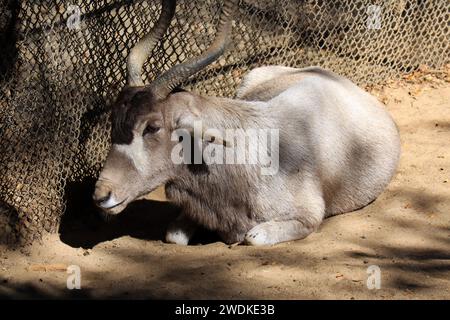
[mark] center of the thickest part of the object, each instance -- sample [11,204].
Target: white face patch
[136,152]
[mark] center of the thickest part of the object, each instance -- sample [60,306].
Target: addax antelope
[331,146]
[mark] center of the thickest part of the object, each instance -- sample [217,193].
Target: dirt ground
[405,232]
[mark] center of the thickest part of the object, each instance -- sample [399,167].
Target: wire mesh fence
[62,63]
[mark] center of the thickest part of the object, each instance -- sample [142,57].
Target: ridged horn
[169,80]
[140,52]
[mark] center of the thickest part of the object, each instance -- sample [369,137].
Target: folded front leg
[309,214]
[272,232]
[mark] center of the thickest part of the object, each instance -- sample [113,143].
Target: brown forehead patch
[131,103]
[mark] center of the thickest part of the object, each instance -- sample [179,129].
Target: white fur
[260,75]
[177,237]
[340,148]
[135,152]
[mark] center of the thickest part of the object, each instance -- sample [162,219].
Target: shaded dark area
[404,284]
[9,291]
[8,221]
[423,261]
[441,125]
[419,255]
[420,200]
[9,11]
[84,225]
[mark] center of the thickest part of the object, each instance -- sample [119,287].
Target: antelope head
[144,117]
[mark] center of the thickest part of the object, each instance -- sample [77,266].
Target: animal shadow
[83,225]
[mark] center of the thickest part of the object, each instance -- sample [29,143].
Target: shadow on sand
[83,225]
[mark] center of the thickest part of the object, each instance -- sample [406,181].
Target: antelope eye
[149,129]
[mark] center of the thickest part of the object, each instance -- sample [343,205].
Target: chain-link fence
[63,62]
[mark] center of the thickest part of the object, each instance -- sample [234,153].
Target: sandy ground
[405,232]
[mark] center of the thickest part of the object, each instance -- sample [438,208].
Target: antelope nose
[101,196]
